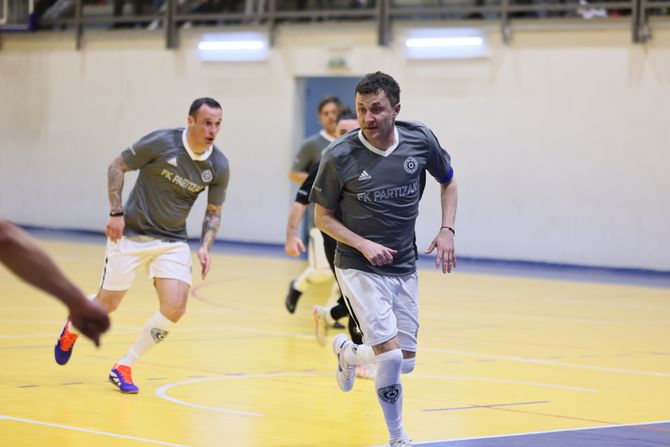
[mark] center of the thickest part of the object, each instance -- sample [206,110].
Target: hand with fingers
[377,254]
[445,256]
[205,261]
[114,227]
[294,246]
[89,317]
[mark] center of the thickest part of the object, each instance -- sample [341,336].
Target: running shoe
[64,345]
[346,373]
[402,442]
[292,297]
[366,371]
[121,376]
[320,324]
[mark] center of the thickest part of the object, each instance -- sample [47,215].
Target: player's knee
[408,365]
[110,300]
[174,313]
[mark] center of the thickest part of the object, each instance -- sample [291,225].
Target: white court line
[513,382]
[162,391]
[86,430]
[448,351]
[513,358]
[205,329]
[35,322]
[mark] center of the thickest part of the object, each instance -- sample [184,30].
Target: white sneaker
[366,371]
[346,373]
[402,442]
[320,324]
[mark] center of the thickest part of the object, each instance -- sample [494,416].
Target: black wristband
[116,213]
[448,228]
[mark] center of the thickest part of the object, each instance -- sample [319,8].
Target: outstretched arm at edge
[20,253]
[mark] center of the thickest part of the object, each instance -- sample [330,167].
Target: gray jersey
[379,191]
[168,184]
[310,152]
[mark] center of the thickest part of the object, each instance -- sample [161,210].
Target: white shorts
[128,255]
[382,306]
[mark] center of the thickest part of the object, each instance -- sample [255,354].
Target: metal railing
[383,13]
[14,14]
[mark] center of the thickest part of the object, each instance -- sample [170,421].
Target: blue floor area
[649,278]
[647,435]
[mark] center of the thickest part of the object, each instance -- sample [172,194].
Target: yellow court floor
[497,355]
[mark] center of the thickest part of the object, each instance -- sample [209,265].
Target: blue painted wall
[317,88]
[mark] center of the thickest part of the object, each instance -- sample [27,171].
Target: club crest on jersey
[206,176]
[411,165]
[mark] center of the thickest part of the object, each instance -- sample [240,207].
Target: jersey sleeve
[302,196]
[216,192]
[439,160]
[327,186]
[303,159]
[142,152]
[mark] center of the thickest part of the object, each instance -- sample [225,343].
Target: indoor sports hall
[553,330]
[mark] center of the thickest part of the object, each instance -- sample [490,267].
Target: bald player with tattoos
[149,232]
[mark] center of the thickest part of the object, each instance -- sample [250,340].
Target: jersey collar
[325,135]
[385,153]
[200,157]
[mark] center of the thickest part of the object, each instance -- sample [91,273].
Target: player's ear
[396,110]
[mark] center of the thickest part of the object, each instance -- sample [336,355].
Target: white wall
[557,139]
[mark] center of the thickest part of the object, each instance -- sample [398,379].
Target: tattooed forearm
[210,225]
[115,183]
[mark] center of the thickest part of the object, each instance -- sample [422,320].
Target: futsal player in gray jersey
[308,156]
[149,232]
[374,177]
[309,153]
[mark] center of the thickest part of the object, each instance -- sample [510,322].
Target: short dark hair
[372,82]
[327,100]
[209,102]
[346,114]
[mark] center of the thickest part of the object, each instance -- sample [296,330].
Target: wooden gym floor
[504,360]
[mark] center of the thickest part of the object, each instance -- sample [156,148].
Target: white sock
[408,365]
[154,331]
[359,354]
[302,282]
[70,326]
[329,318]
[389,390]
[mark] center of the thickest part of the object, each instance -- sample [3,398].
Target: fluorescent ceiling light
[432,42]
[445,43]
[234,47]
